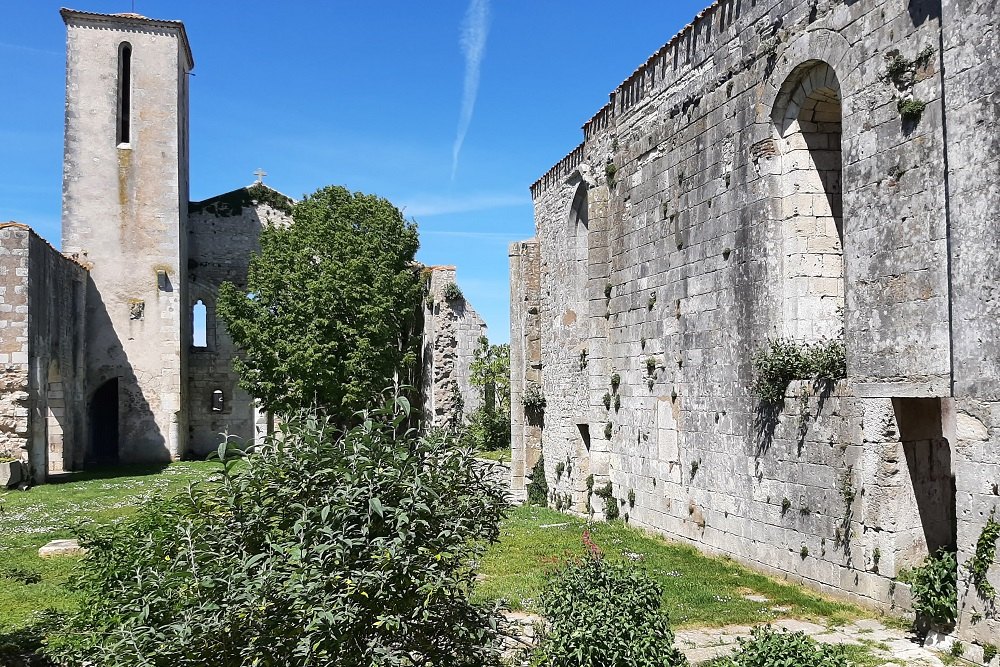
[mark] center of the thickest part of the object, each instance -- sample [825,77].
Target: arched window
[218,401]
[808,121]
[124,92]
[199,325]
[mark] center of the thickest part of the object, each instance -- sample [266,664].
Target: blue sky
[370,95]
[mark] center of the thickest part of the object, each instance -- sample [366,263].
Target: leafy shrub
[487,431]
[768,647]
[785,360]
[989,652]
[934,586]
[604,615]
[327,548]
[538,486]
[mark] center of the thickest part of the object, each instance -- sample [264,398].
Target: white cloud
[473,42]
[438,205]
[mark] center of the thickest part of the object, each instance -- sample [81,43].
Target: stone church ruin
[100,362]
[812,171]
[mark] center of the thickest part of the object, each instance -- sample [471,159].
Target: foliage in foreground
[786,360]
[934,586]
[604,615]
[327,548]
[768,647]
[328,316]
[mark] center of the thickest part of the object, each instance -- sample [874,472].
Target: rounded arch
[806,122]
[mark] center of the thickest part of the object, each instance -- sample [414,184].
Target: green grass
[698,590]
[29,519]
[502,455]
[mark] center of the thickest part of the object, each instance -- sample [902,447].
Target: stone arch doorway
[808,122]
[104,425]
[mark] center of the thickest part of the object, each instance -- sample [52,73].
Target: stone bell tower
[125,201]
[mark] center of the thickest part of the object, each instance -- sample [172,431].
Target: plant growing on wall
[606,494]
[607,431]
[538,486]
[328,317]
[616,380]
[607,401]
[982,560]
[609,172]
[533,399]
[783,361]
[451,291]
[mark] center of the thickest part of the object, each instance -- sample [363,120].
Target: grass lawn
[502,455]
[29,519]
[698,590]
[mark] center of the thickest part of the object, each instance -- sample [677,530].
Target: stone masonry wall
[452,329]
[222,234]
[124,210]
[971,56]
[57,353]
[14,407]
[755,178]
[42,340]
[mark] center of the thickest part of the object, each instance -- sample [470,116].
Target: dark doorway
[104,425]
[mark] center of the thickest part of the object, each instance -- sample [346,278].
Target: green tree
[328,316]
[489,425]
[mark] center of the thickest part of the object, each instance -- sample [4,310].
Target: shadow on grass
[109,472]
[21,647]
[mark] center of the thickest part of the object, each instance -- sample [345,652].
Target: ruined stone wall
[222,233]
[525,362]
[42,339]
[57,366]
[452,329]
[124,209]
[14,404]
[755,178]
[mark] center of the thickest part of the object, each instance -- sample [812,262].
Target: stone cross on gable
[260,174]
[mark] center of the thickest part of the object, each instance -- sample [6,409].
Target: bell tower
[125,201]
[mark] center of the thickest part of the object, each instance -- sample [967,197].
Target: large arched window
[808,122]
[124,110]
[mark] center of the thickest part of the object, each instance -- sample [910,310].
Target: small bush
[616,381]
[934,586]
[768,647]
[602,615]
[487,431]
[451,291]
[327,547]
[989,652]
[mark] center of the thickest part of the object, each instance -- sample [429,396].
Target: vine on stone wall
[784,360]
[979,565]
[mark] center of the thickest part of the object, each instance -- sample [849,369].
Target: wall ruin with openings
[757,178]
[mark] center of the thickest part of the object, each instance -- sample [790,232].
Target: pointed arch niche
[807,120]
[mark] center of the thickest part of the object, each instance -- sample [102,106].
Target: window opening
[199,325]
[124,92]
